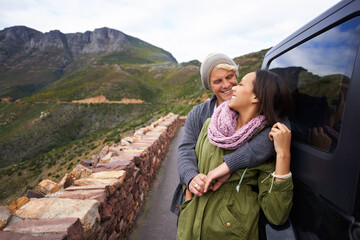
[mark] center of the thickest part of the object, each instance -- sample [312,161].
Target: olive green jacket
[228,213]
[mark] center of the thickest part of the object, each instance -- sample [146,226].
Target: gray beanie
[209,63]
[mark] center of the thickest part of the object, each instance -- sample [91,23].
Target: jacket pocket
[231,223]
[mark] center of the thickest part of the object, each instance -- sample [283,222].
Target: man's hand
[197,184]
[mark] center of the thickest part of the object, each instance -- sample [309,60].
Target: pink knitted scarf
[222,132]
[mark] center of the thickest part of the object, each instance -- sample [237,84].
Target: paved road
[155,221]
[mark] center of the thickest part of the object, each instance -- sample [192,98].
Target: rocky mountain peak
[34,59]
[18,33]
[100,40]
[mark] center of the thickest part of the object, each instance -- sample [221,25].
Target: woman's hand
[281,136]
[221,173]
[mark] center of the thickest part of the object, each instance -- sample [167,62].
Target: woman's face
[221,83]
[243,95]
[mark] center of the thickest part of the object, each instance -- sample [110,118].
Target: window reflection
[318,73]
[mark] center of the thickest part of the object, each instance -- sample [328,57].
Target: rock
[126,165]
[129,139]
[47,186]
[88,188]
[86,163]
[119,175]
[104,152]
[95,160]
[132,155]
[107,157]
[66,181]
[116,150]
[141,131]
[96,194]
[182,120]
[121,157]
[80,172]
[124,142]
[55,208]
[69,228]
[34,194]
[5,216]
[19,203]
[114,184]
[28,236]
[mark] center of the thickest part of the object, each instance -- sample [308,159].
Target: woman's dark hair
[274,96]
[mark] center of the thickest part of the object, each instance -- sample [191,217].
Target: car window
[318,73]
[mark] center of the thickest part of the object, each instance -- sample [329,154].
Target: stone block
[66,181]
[114,184]
[136,147]
[5,216]
[47,186]
[182,120]
[116,150]
[107,157]
[124,142]
[80,172]
[28,236]
[116,166]
[34,194]
[130,155]
[95,194]
[141,131]
[121,157]
[55,208]
[95,160]
[18,203]
[103,152]
[119,175]
[129,139]
[70,228]
[86,163]
[107,189]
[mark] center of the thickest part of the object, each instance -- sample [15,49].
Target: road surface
[155,221]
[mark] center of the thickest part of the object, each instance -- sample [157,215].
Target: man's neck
[218,102]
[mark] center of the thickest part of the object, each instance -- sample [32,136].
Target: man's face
[221,83]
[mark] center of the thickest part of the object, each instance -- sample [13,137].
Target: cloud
[186,28]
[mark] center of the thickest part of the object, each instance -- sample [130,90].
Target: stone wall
[100,198]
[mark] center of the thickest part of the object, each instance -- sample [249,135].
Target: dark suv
[321,64]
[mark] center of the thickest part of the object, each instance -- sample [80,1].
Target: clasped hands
[202,183]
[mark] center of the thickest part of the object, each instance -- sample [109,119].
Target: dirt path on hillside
[102,99]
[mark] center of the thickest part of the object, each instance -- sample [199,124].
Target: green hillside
[44,135]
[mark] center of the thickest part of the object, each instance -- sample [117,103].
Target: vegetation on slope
[44,135]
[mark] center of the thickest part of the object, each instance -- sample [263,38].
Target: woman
[232,211]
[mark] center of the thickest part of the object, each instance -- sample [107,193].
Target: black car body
[321,64]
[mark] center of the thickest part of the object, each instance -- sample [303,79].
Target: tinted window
[318,73]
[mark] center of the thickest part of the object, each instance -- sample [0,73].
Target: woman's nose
[234,88]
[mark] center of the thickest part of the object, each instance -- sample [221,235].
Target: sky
[188,29]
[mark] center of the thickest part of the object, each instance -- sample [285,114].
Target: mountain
[31,60]
[47,73]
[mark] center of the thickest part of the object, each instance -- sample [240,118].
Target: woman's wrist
[281,177]
[283,155]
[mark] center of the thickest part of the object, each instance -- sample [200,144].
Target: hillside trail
[155,221]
